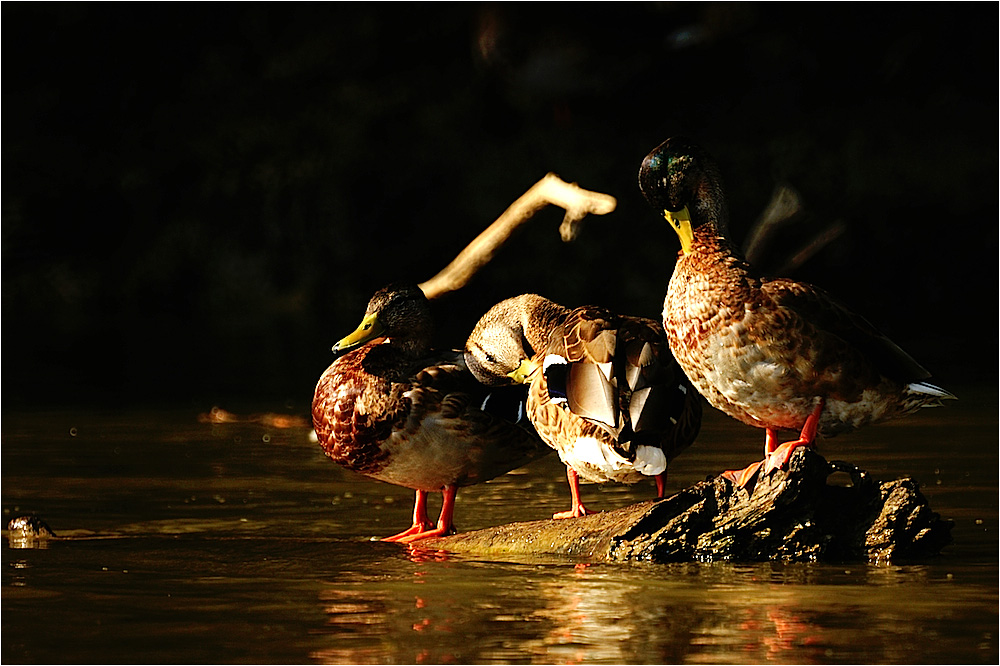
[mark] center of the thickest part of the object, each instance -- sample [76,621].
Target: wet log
[815,511]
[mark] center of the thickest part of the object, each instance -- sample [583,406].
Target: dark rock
[28,532]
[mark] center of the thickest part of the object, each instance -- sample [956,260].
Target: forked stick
[551,189]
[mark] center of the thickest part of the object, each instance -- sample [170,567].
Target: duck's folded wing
[590,334]
[447,392]
[826,316]
[590,338]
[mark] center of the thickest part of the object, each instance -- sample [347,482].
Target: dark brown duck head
[399,313]
[682,183]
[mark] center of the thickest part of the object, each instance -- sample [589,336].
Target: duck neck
[410,347]
[709,241]
[393,358]
[709,206]
[713,254]
[538,317]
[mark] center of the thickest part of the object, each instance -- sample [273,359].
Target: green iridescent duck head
[682,183]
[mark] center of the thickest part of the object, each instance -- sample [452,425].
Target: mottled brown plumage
[391,409]
[604,390]
[772,353]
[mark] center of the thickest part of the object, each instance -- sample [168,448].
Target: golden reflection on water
[591,613]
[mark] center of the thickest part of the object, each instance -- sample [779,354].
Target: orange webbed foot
[577,511]
[777,456]
[743,477]
[778,459]
[417,528]
[436,532]
[422,528]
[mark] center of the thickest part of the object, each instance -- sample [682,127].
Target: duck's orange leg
[776,457]
[420,521]
[445,524]
[578,509]
[661,484]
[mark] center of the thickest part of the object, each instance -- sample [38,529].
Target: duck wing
[664,409]
[840,333]
[622,377]
[589,340]
[444,387]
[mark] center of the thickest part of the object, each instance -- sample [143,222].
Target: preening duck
[773,353]
[605,392]
[392,409]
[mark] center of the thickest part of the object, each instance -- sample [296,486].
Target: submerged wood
[794,515]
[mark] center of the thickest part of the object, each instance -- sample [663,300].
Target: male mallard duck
[400,413]
[604,390]
[771,352]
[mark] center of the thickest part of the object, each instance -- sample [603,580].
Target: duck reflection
[427,606]
[420,554]
[596,616]
[357,618]
[586,618]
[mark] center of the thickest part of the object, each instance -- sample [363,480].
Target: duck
[771,352]
[393,409]
[603,389]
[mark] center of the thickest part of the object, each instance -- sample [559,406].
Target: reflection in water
[598,618]
[432,608]
[588,617]
[353,618]
[17,578]
[418,554]
[766,625]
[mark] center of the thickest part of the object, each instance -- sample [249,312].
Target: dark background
[199,199]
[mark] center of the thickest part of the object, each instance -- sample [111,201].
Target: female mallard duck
[771,352]
[399,413]
[604,390]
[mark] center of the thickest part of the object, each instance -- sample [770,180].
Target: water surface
[186,541]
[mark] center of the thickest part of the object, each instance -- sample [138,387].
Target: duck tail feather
[930,390]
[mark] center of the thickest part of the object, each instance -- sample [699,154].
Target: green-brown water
[182,541]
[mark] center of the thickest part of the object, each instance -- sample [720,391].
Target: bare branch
[550,190]
[818,242]
[785,204]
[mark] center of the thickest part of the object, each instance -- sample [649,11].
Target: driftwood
[550,190]
[794,515]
